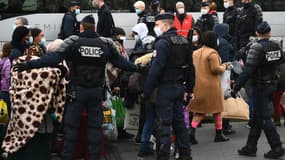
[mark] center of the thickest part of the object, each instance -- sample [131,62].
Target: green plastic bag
[118,105]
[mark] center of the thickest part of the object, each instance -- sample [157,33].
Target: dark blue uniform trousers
[91,99]
[169,110]
[261,119]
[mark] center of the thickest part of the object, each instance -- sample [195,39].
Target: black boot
[220,137]
[248,150]
[275,153]
[192,136]
[123,134]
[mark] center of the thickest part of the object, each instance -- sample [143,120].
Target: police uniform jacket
[161,58]
[142,17]
[150,22]
[247,21]
[105,22]
[78,54]
[256,68]
[230,17]
[205,23]
[69,26]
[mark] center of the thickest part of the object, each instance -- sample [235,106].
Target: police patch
[87,51]
[154,54]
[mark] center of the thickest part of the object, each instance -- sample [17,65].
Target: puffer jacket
[5,68]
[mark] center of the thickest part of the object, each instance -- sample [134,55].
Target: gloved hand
[234,94]
[63,71]
[20,67]
[141,69]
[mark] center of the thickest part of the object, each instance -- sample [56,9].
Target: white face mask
[157,31]
[123,38]
[226,5]
[204,11]
[181,10]
[195,38]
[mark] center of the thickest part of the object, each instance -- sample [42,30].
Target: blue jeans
[169,109]
[91,99]
[261,118]
[148,126]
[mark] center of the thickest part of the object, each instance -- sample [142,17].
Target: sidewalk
[207,149]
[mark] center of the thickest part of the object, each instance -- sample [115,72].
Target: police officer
[150,18]
[70,25]
[248,18]
[230,16]
[206,21]
[88,55]
[261,64]
[172,58]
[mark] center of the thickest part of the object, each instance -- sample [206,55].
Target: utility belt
[261,83]
[71,90]
[172,82]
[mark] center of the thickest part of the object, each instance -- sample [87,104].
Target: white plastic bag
[109,125]
[226,83]
[132,117]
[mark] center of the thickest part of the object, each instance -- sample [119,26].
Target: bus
[47,14]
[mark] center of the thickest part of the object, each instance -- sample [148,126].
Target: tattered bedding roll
[32,93]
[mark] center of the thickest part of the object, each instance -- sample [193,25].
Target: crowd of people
[174,68]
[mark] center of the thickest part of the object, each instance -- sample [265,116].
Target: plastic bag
[4,115]
[226,83]
[132,117]
[117,104]
[109,124]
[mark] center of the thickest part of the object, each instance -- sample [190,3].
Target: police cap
[88,19]
[154,3]
[74,3]
[164,16]
[263,28]
[204,4]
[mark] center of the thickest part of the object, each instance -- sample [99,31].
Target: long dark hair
[210,39]
[190,36]
[35,32]
[18,36]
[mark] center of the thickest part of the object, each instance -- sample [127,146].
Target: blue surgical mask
[43,42]
[138,11]
[77,11]
[31,40]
